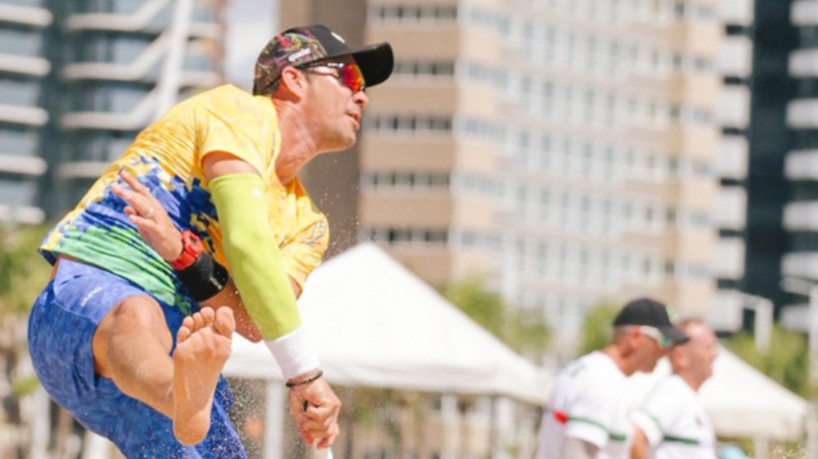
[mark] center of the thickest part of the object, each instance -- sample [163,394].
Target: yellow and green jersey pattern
[167,158]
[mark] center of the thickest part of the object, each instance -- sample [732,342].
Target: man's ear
[292,82]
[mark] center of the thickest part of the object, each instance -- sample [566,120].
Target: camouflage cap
[299,46]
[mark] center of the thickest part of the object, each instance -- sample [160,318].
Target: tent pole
[494,437]
[274,420]
[762,447]
[812,431]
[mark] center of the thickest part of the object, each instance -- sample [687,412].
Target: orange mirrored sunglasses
[349,74]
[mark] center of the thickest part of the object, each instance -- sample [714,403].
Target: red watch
[191,248]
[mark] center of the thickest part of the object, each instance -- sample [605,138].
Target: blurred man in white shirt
[585,417]
[672,423]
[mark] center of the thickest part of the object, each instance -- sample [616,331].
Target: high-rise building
[24,69]
[565,149]
[79,80]
[796,25]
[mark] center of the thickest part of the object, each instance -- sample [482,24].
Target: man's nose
[361,99]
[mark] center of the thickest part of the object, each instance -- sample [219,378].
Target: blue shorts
[60,329]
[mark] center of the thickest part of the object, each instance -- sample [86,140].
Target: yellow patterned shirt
[167,158]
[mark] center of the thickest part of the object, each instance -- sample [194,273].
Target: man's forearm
[229,297]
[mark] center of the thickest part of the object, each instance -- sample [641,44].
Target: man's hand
[319,421]
[149,217]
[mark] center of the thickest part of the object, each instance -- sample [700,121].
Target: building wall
[566,156]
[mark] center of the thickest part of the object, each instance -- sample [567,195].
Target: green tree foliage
[786,361]
[596,328]
[525,331]
[23,272]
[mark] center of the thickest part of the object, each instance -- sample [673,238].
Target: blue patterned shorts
[61,326]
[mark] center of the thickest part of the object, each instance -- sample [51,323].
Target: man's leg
[132,345]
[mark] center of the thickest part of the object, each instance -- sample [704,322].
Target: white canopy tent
[373,323]
[741,401]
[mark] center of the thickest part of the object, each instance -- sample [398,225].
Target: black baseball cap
[303,45]
[645,311]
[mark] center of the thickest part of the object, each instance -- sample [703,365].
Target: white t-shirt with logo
[675,423]
[587,403]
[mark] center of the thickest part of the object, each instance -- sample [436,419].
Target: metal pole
[763,324]
[812,334]
[168,85]
[762,448]
[274,421]
[763,321]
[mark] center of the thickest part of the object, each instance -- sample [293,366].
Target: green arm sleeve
[252,254]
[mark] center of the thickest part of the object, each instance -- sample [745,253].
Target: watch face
[191,248]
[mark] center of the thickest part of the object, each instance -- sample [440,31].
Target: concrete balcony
[24,65]
[136,21]
[803,63]
[800,264]
[27,116]
[728,258]
[726,311]
[803,114]
[804,13]
[733,106]
[738,12]
[801,165]
[731,208]
[801,216]
[87,170]
[23,165]
[31,16]
[736,56]
[731,159]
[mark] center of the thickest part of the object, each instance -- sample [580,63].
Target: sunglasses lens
[352,77]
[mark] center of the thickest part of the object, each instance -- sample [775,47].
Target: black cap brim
[376,62]
[675,335]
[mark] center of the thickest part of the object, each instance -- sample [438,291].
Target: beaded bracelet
[305,381]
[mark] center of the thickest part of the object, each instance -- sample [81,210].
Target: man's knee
[136,312]
[136,321]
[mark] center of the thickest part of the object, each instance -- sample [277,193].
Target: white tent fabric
[741,401]
[373,323]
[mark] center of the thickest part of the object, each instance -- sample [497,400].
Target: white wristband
[293,354]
